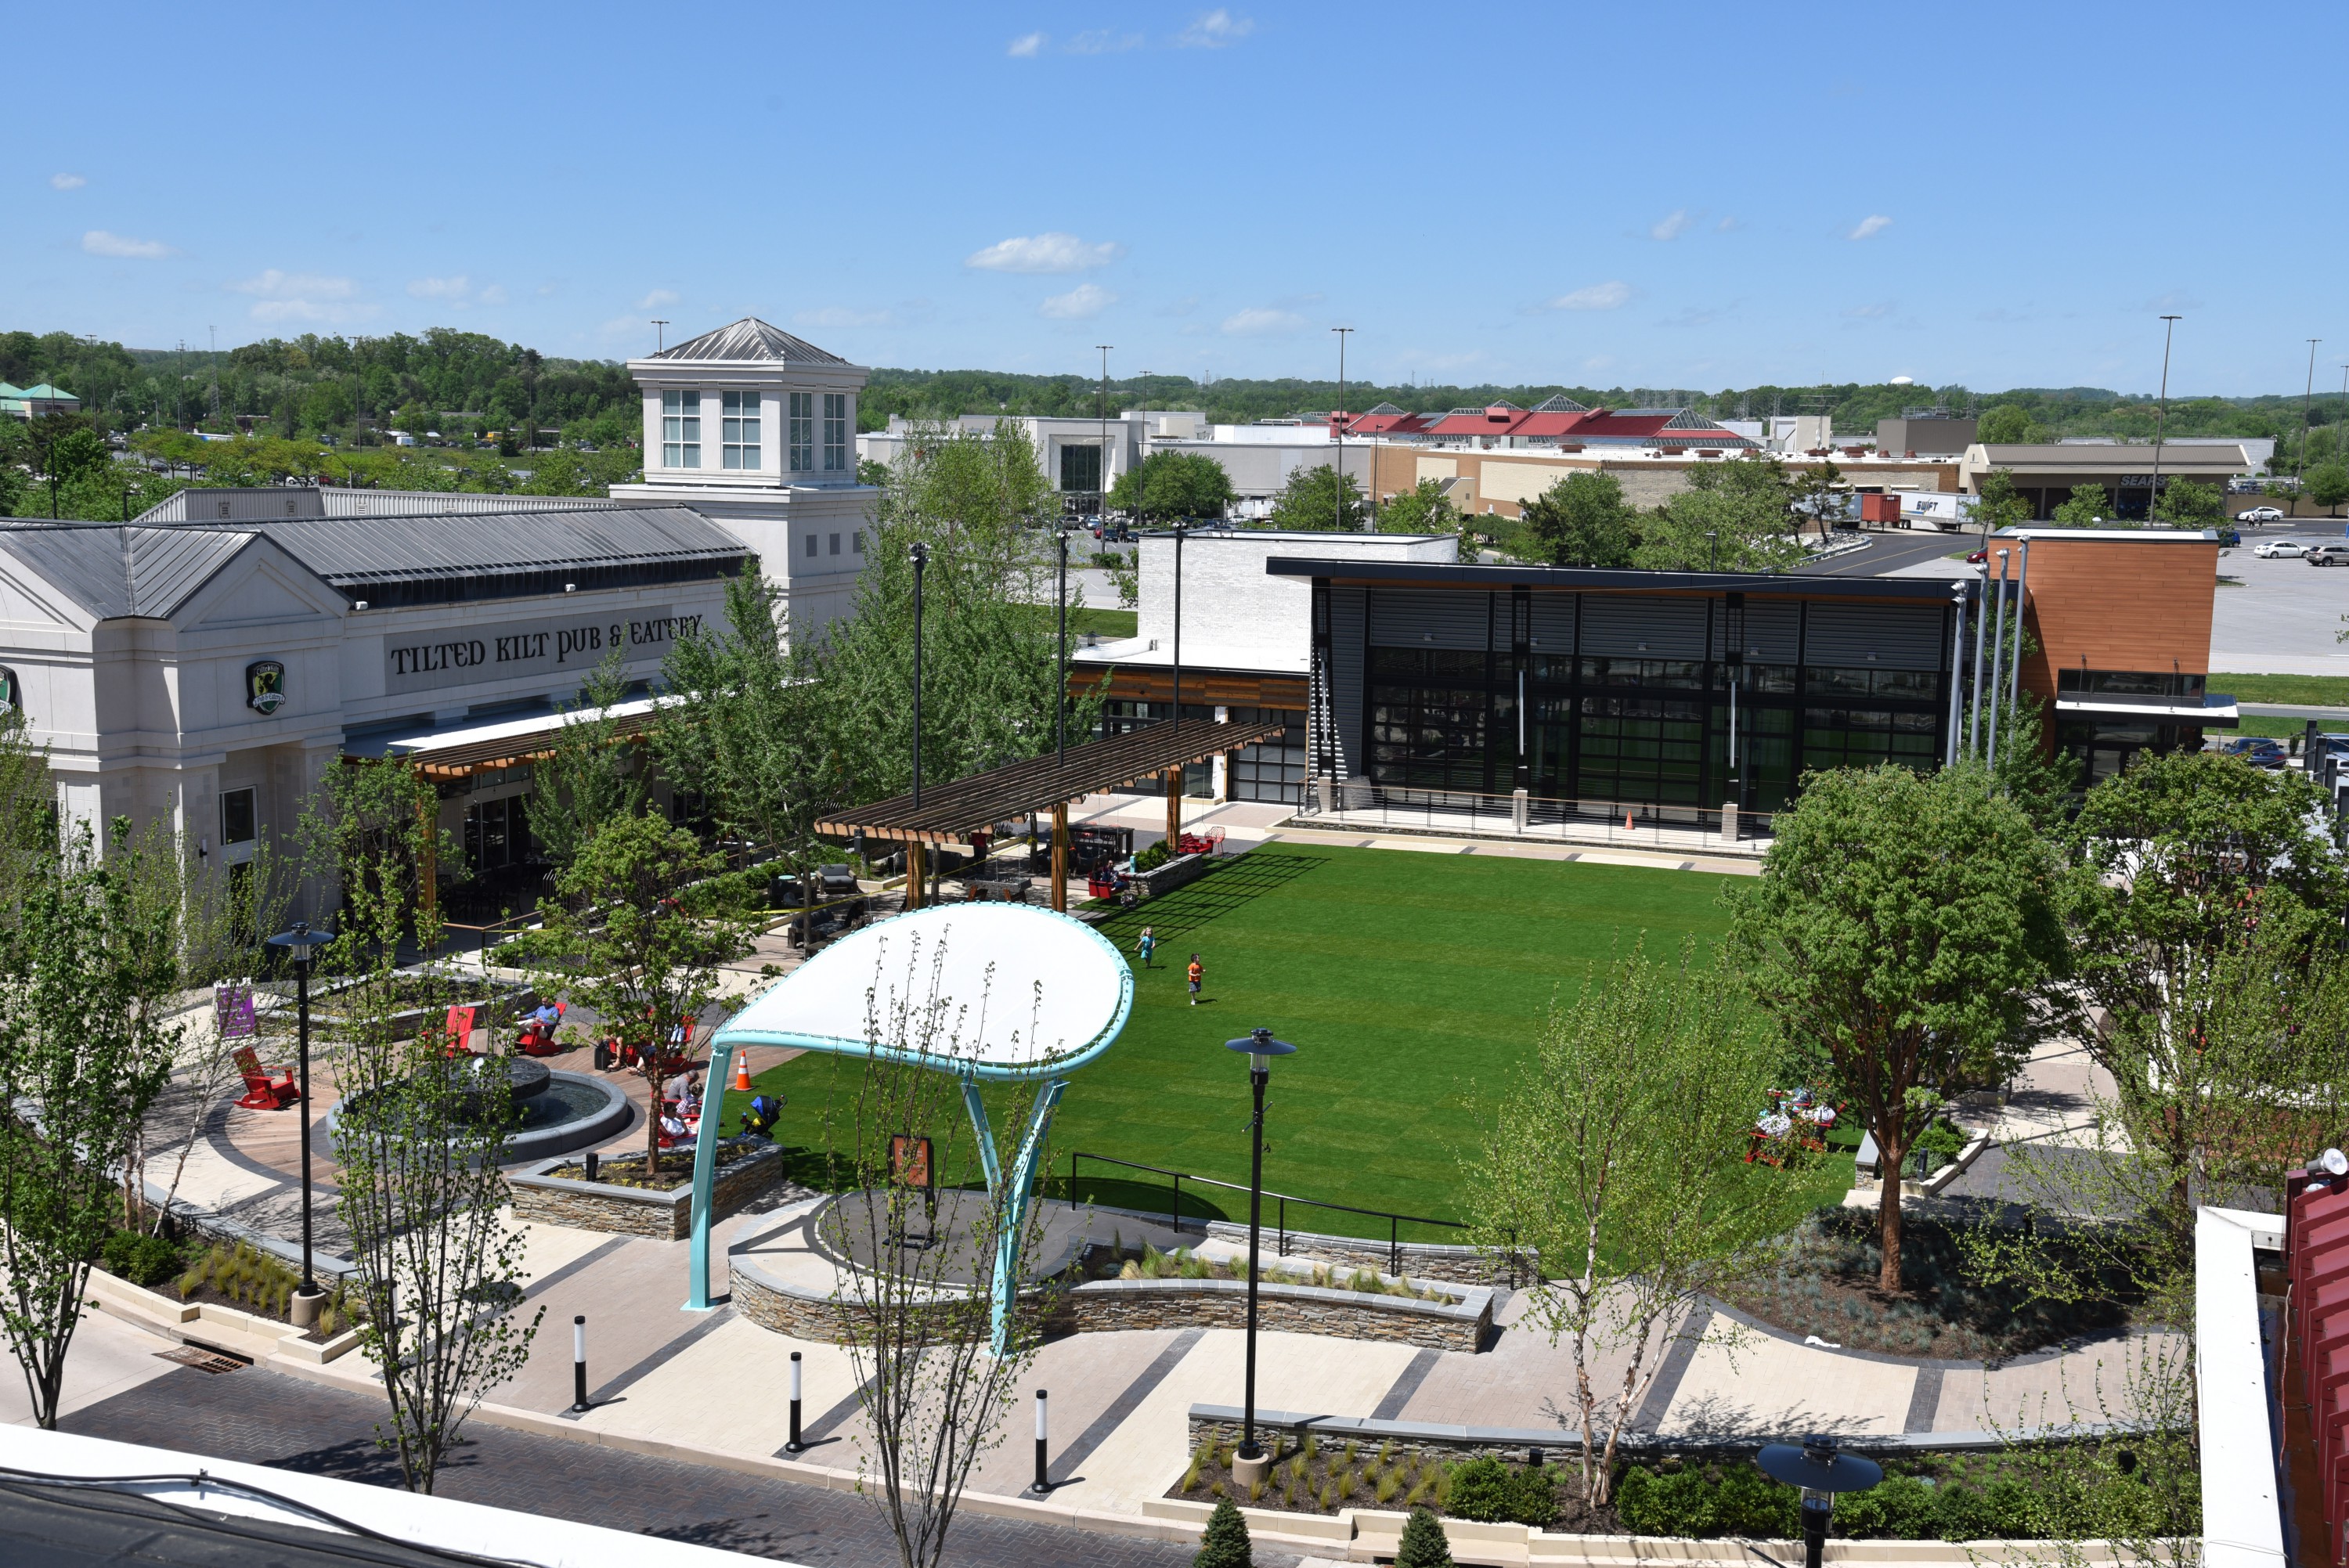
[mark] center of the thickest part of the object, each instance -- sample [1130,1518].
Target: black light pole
[1820,1472]
[1179,531]
[1259,1047]
[297,944]
[1338,427]
[1061,671]
[2161,416]
[919,555]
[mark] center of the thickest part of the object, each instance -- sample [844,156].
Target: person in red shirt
[1196,974]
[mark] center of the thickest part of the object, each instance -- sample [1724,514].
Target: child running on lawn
[1149,945]
[1197,975]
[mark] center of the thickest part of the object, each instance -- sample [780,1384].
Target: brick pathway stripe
[1391,1407]
[1123,1406]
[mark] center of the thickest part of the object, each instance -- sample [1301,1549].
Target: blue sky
[1674,197]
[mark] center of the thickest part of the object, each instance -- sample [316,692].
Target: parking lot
[2279,617]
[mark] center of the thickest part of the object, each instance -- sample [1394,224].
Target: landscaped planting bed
[1823,1281]
[1115,1262]
[1928,1497]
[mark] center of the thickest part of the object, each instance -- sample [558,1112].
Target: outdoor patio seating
[537,1036]
[270,1088]
[460,1029]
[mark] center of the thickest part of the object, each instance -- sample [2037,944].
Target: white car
[2270,548]
[2260,514]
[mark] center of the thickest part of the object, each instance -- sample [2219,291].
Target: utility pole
[214,331]
[2162,417]
[1338,425]
[1100,408]
[2307,399]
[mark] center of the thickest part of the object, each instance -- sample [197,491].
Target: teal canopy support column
[705,1171]
[1016,1198]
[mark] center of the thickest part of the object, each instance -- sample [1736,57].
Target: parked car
[1977,557]
[2258,750]
[2229,539]
[2260,514]
[2326,555]
[2270,548]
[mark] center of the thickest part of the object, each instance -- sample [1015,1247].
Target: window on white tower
[803,432]
[680,430]
[835,432]
[740,428]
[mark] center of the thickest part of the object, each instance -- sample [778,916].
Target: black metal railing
[1280,1205]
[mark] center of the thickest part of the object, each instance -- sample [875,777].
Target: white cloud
[1050,253]
[495,294]
[1214,30]
[1260,323]
[1101,41]
[98,242]
[1598,296]
[657,299]
[457,287]
[62,181]
[1673,225]
[545,289]
[1873,224]
[303,296]
[1728,225]
[1026,45]
[1083,301]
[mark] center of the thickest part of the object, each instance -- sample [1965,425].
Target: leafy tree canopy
[1319,499]
[1582,520]
[1423,508]
[1166,486]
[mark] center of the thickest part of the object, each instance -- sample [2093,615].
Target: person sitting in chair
[671,1127]
[688,1099]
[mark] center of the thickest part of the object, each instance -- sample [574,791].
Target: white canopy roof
[990,990]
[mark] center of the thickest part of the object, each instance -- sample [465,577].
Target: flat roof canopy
[464,749]
[983,990]
[950,813]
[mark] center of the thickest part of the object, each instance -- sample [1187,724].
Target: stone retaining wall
[1421,1260]
[636,1210]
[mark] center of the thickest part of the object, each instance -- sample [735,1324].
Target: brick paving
[262,1417]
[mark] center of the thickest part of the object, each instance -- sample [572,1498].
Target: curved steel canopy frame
[1021,943]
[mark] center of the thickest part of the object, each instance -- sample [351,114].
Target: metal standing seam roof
[752,339]
[349,551]
[1584,578]
[950,812]
[120,573]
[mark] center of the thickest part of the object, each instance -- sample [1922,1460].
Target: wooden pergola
[950,813]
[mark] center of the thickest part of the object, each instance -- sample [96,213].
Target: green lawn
[1103,622]
[1410,982]
[2316,691]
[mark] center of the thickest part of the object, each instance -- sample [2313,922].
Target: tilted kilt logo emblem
[265,687]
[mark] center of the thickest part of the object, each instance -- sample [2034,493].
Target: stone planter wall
[634,1211]
[1177,872]
[1463,1324]
[1421,1260]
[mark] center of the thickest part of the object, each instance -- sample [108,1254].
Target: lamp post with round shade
[298,943]
[1250,1463]
[1821,1471]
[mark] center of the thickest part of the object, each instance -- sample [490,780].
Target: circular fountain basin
[560,1112]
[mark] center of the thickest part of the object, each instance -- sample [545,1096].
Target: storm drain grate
[203,1360]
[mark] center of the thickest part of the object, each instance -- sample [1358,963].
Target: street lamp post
[1061,671]
[919,555]
[2161,416]
[1338,425]
[2307,399]
[1820,1471]
[1251,1463]
[298,943]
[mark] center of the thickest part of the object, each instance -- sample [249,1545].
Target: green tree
[1583,520]
[326,405]
[1320,500]
[1166,486]
[2007,424]
[1424,1542]
[1225,1544]
[1998,504]
[591,777]
[1617,1159]
[640,926]
[417,1142]
[2089,506]
[1821,497]
[1423,508]
[1735,516]
[84,966]
[2185,503]
[990,640]
[1912,926]
[2328,486]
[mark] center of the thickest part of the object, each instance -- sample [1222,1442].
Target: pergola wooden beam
[950,813]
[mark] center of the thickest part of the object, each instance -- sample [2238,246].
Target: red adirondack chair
[459,1027]
[537,1037]
[265,1087]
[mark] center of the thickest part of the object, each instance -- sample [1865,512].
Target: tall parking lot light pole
[2161,416]
[1259,1047]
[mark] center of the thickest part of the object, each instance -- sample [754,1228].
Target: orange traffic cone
[1627,821]
[742,1072]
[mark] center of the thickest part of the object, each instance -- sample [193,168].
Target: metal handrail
[1281,1202]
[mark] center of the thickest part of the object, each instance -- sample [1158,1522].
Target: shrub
[1490,1492]
[1748,1502]
[142,1260]
[1225,1544]
[1962,1514]
[1900,1506]
[1423,1543]
[1151,858]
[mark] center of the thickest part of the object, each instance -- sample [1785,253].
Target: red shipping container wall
[1879,508]
[2316,1255]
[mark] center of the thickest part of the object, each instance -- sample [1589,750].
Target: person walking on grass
[1148,944]
[1197,973]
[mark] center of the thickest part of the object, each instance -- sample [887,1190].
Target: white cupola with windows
[756,430]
